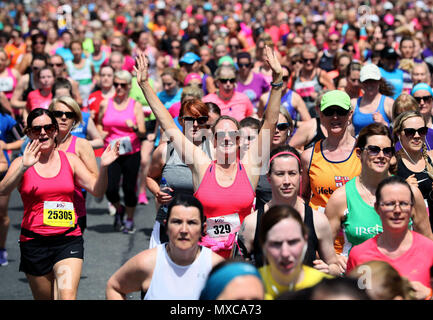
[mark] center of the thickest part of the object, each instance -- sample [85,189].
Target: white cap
[369,71]
[388,6]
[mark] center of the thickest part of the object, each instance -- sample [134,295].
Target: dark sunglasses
[222,134]
[308,60]
[48,128]
[375,150]
[233,80]
[283,126]
[123,85]
[200,120]
[426,99]
[329,112]
[296,61]
[410,132]
[333,40]
[244,65]
[67,114]
[56,65]
[285,78]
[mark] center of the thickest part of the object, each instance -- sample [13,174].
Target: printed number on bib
[59,214]
[222,226]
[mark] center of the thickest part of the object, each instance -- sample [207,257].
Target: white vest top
[173,282]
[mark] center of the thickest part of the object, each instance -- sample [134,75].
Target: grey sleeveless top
[177,174]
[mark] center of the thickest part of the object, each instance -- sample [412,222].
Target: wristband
[277,85]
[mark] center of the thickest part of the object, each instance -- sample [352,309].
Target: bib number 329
[59,214]
[223,226]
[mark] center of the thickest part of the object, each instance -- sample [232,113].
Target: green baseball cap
[335,98]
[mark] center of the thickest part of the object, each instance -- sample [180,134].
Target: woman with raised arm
[226,177]
[50,240]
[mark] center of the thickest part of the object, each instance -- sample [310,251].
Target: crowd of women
[288,146]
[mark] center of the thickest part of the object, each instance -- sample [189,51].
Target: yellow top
[274,289]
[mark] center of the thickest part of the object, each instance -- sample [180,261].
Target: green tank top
[362,221]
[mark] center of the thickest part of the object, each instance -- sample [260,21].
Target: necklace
[371,199]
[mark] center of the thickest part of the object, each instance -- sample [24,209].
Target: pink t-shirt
[36,100]
[414,264]
[238,107]
[175,109]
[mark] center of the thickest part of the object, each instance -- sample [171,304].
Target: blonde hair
[404,102]
[387,282]
[71,104]
[123,75]
[398,128]
[406,65]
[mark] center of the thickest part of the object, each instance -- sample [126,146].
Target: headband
[422,86]
[218,280]
[282,153]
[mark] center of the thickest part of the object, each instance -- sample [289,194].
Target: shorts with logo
[38,256]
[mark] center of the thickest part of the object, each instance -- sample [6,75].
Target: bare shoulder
[216,259]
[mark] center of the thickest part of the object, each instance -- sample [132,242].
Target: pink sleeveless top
[36,191]
[114,122]
[8,94]
[79,201]
[225,208]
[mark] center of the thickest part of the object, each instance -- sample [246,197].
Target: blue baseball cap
[190,58]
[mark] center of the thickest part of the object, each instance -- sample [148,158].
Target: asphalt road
[104,250]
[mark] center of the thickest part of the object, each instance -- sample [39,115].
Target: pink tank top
[10,85]
[114,122]
[39,193]
[79,201]
[225,208]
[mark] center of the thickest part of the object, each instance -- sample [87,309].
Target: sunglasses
[56,65]
[200,120]
[222,134]
[427,99]
[123,85]
[308,60]
[375,150]
[233,80]
[297,61]
[333,40]
[285,78]
[283,126]
[329,112]
[36,130]
[244,65]
[67,114]
[410,132]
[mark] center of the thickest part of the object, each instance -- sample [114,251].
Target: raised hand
[110,154]
[31,154]
[141,68]
[272,60]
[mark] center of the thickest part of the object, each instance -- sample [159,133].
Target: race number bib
[220,227]
[59,214]
[305,89]
[125,145]
[6,84]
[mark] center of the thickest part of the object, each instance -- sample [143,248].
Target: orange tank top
[326,175]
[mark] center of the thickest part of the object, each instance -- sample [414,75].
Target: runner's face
[45,138]
[285,177]
[414,143]
[226,139]
[379,163]
[65,123]
[425,104]
[107,77]
[184,227]
[169,84]
[284,247]
[46,78]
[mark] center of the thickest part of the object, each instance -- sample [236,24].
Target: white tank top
[173,282]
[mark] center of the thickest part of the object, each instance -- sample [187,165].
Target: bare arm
[305,162]
[133,276]
[94,137]
[248,229]
[421,222]
[300,106]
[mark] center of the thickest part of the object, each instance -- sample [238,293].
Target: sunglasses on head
[232,80]
[375,150]
[329,112]
[48,128]
[426,99]
[200,120]
[222,134]
[410,132]
[67,114]
[283,126]
[123,85]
